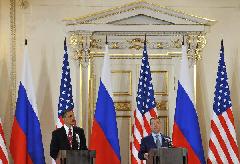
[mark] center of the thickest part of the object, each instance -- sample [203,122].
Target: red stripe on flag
[146,124]
[138,126]
[229,136]
[180,141]
[214,151]
[3,157]
[18,145]
[61,120]
[221,141]
[99,142]
[208,161]
[134,161]
[230,115]
[2,134]
[136,143]
[153,113]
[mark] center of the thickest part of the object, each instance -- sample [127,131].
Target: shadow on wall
[5,100]
[235,95]
[45,106]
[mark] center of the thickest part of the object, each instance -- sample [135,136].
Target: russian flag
[104,137]
[186,131]
[26,139]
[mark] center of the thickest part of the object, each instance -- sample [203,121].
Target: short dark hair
[154,118]
[64,113]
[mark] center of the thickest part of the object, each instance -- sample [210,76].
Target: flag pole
[183,41]
[106,40]
[145,39]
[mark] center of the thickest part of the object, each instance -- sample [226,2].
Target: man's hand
[146,156]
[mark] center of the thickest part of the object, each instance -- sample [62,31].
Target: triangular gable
[131,13]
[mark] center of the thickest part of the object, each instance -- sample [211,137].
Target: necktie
[158,142]
[70,136]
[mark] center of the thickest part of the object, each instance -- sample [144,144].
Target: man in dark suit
[68,137]
[154,140]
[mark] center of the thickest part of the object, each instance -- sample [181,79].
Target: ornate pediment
[140,20]
[137,10]
[126,26]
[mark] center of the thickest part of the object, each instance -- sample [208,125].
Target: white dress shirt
[159,136]
[67,129]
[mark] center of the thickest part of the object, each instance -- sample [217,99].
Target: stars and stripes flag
[65,98]
[146,107]
[222,144]
[3,149]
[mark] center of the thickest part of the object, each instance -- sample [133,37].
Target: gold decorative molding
[114,45]
[162,105]
[164,122]
[165,82]
[96,43]
[123,106]
[129,92]
[92,95]
[23,4]
[196,43]
[168,55]
[159,45]
[81,45]
[13,55]
[177,43]
[127,7]
[136,43]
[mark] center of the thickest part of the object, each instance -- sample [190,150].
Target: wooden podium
[167,156]
[76,157]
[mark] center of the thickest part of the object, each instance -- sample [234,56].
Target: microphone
[169,141]
[78,141]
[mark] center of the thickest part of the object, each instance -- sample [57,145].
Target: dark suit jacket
[60,141]
[148,143]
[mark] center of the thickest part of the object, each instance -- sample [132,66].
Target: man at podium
[68,137]
[154,140]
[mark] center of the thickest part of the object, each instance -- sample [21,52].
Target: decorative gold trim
[122,106]
[162,105]
[168,55]
[91,100]
[196,44]
[129,92]
[134,8]
[23,4]
[81,97]
[164,93]
[136,43]
[195,83]
[13,55]
[166,129]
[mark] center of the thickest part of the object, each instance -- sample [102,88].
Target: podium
[76,157]
[167,156]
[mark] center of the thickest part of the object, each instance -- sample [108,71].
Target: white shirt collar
[154,134]
[67,129]
[159,136]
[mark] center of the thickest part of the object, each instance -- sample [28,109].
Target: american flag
[222,144]
[65,98]
[146,108]
[3,149]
